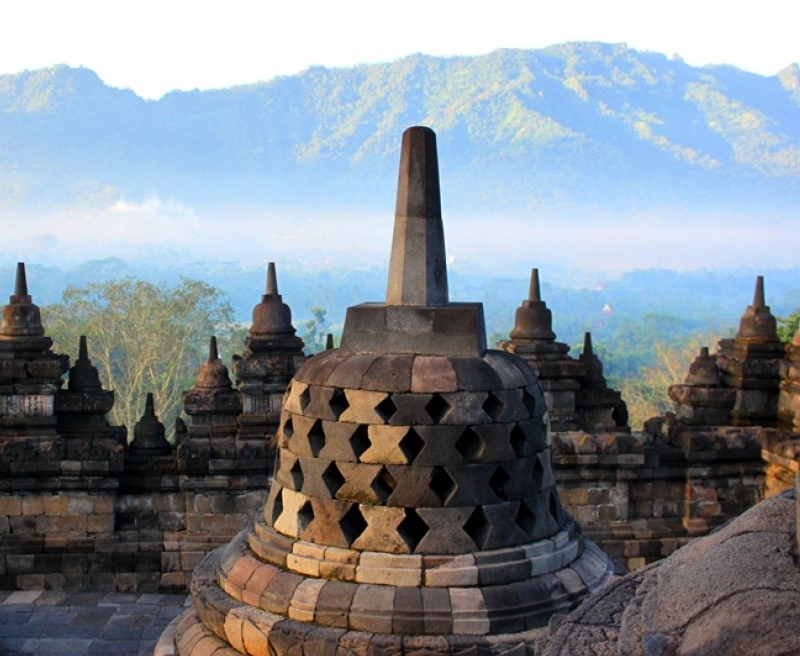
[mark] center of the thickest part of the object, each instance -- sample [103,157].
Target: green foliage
[316,331]
[577,120]
[143,338]
[788,326]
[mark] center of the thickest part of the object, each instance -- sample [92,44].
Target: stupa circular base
[241,607]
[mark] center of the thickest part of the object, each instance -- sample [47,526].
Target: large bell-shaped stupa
[414,508]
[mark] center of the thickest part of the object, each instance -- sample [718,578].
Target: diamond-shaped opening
[304,516]
[305,398]
[477,527]
[437,408]
[493,406]
[412,529]
[383,485]
[316,438]
[288,428]
[529,401]
[470,444]
[359,440]
[555,507]
[296,472]
[537,474]
[500,482]
[442,484]
[525,519]
[352,524]
[277,506]
[386,409]
[517,439]
[333,479]
[338,402]
[411,445]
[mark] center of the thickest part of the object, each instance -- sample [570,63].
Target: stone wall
[642,496]
[115,536]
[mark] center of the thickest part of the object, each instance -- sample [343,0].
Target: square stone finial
[418,268]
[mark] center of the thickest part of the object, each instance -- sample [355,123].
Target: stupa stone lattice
[413,507]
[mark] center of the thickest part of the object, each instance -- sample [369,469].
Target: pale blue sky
[154,46]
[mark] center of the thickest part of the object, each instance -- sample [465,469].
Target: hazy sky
[154,46]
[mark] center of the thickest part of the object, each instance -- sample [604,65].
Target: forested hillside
[568,127]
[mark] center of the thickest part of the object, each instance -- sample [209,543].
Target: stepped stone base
[244,605]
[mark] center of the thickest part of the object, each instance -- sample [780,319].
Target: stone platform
[62,623]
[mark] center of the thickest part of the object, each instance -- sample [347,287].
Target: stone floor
[65,623]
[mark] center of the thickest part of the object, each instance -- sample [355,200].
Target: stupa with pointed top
[575,390]
[741,383]
[30,373]
[213,407]
[82,411]
[148,434]
[273,353]
[414,507]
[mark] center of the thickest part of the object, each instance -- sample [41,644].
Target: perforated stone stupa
[413,508]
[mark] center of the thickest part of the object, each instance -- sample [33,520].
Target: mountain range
[570,128]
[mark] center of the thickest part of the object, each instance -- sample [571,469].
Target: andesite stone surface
[734,592]
[413,507]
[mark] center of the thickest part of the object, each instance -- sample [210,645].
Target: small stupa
[30,373]
[413,508]
[273,354]
[212,406]
[533,339]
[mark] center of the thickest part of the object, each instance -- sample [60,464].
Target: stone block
[279,592]
[431,374]
[31,506]
[371,608]
[470,616]
[450,571]
[362,406]
[351,371]
[304,601]
[408,617]
[381,531]
[466,408]
[10,506]
[389,373]
[333,603]
[445,534]
[385,447]
[56,505]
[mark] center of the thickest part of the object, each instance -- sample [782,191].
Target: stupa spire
[757,323]
[272,279]
[758,294]
[213,375]
[20,282]
[84,376]
[148,433]
[534,292]
[587,344]
[83,350]
[533,321]
[418,267]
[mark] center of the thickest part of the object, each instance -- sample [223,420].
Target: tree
[316,330]
[142,338]
[645,391]
[788,326]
